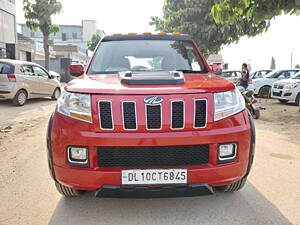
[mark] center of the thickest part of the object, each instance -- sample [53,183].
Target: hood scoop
[151,77]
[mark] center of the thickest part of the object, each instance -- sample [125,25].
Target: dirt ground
[281,118]
[28,195]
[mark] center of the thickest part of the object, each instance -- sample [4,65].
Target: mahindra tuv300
[148,118]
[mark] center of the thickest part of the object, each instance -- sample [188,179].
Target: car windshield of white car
[297,76]
[146,55]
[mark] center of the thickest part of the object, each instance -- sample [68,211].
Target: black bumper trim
[110,191]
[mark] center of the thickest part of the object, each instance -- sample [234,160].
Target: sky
[120,16]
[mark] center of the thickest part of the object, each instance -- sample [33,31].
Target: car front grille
[278,86]
[277,94]
[145,157]
[154,116]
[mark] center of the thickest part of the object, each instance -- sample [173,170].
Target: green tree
[195,18]
[231,11]
[297,66]
[273,63]
[38,17]
[92,44]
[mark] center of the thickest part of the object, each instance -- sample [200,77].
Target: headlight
[228,103]
[291,86]
[77,106]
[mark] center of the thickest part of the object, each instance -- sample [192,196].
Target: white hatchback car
[262,86]
[21,80]
[287,90]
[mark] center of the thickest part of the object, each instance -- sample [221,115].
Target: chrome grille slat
[105,115]
[129,115]
[154,117]
[200,117]
[177,114]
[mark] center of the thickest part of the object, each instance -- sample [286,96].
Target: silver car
[21,80]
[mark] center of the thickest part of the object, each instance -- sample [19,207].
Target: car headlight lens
[74,105]
[228,103]
[291,86]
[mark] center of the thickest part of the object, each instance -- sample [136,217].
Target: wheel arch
[252,144]
[49,148]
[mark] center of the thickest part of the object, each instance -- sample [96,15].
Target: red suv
[149,119]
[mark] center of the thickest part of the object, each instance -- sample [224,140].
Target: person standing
[245,76]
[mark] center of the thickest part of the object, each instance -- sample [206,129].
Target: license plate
[154,176]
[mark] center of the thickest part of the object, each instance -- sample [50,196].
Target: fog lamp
[227,152]
[78,155]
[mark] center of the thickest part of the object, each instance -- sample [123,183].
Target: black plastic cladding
[152,156]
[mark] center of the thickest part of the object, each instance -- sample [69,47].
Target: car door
[29,80]
[46,86]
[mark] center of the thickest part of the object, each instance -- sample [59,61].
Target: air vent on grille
[153,115]
[154,156]
[129,115]
[200,113]
[106,120]
[177,115]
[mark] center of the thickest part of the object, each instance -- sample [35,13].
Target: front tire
[283,101]
[66,191]
[256,114]
[236,186]
[20,98]
[264,92]
[56,94]
[297,101]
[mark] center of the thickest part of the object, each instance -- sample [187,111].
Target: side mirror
[281,77]
[51,76]
[76,70]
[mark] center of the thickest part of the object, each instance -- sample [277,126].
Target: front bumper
[284,94]
[66,132]
[191,190]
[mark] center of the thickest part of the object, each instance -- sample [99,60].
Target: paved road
[28,196]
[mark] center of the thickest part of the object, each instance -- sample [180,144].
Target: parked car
[149,114]
[234,76]
[287,90]
[21,80]
[54,74]
[259,74]
[262,86]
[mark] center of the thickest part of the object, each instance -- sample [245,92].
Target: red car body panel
[110,84]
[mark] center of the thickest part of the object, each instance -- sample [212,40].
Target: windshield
[146,55]
[297,76]
[227,74]
[283,73]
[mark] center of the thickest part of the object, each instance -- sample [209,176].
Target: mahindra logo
[153,100]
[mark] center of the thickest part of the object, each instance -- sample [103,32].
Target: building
[30,50]
[68,35]
[8,33]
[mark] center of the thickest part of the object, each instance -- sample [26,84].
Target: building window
[64,36]
[74,35]
[32,34]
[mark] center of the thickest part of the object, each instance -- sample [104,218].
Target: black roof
[182,37]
